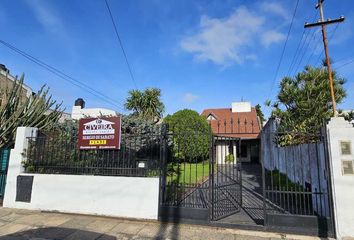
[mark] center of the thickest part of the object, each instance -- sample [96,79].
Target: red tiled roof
[244,125]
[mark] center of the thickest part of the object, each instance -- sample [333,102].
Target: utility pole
[323,24]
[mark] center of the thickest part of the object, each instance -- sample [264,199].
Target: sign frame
[99,133]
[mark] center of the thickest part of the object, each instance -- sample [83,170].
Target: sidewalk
[23,224]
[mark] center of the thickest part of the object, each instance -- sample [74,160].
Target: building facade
[7,82]
[79,111]
[238,122]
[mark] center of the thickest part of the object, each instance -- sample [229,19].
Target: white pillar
[234,152]
[341,157]
[218,152]
[17,156]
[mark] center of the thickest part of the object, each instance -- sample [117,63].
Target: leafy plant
[303,103]
[260,113]
[191,135]
[145,104]
[38,110]
[229,158]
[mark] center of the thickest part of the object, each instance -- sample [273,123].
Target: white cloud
[46,16]
[275,8]
[231,39]
[189,97]
[272,37]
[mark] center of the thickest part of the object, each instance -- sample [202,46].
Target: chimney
[241,107]
[3,67]
[80,103]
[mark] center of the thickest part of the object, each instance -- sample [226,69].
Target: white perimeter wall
[343,185]
[133,197]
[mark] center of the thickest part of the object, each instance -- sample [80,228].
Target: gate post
[211,176]
[15,166]
[340,140]
[163,166]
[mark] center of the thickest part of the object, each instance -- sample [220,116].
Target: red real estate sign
[99,133]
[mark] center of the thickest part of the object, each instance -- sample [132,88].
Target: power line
[302,52]
[345,64]
[323,24]
[296,51]
[314,50]
[121,44]
[329,40]
[62,75]
[284,47]
[299,49]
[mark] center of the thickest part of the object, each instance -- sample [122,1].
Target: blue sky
[201,54]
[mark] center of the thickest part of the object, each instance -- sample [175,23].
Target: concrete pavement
[16,224]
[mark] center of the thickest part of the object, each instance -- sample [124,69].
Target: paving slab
[43,220]
[102,225]
[11,228]
[80,234]
[35,225]
[49,233]
[128,228]
[78,222]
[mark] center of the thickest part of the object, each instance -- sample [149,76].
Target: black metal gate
[226,181]
[296,183]
[199,189]
[184,185]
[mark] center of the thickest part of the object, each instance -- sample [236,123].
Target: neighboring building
[7,82]
[79,111]
[63,117]
[239,121]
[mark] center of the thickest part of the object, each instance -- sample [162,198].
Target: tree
[191,135]
[30,112]
[305,101]
[146,104]
[260,113]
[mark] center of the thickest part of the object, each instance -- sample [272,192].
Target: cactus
[38,110]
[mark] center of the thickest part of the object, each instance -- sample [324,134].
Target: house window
[211,117]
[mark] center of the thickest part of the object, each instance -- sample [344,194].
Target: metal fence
[58,153]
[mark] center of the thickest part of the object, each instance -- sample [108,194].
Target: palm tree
[146,104]
[134,101]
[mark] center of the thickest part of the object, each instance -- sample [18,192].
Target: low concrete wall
[112,196]
[133,197]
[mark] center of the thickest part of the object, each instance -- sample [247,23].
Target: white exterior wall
[78,112]
[343,185]
[133,197]
[222,150]
[241,107]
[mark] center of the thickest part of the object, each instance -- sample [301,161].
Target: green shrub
[229,158]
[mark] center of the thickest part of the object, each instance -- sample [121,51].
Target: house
[230,124]
[79,111]
[7,81]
